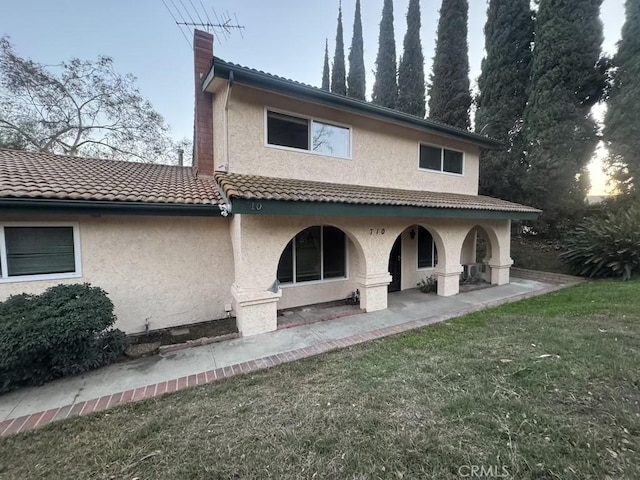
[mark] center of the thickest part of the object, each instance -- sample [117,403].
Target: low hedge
[64,331]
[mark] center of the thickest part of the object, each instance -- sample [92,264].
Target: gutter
[99,207]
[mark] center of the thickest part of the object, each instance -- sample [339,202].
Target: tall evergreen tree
[622,121]
[325,68]
[560,132]
[411,70]
[385,87]
[503,84]
[338,74]
[449,95]
[356,80]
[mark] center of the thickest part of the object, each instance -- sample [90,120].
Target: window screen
[430,157]
[39,250]
[452,161]
[287,131]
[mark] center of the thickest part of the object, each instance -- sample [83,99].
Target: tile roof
[32,175]
[267,188]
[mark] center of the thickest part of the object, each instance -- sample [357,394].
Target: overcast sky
[283,37]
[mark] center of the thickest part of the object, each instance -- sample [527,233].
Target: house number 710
[377,231]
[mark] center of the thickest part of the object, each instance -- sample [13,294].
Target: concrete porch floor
[33,407]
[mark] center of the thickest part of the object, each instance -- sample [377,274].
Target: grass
[476,391]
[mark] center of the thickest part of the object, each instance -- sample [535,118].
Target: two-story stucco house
[296,196]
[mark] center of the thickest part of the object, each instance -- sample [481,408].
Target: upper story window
[441,159]
[39,252]
[308,134]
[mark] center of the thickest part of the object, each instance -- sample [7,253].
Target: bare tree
[79,108]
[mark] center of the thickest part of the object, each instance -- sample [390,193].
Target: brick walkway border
[12,426]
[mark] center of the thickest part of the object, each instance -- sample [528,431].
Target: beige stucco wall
[383,154]
[220,126]
[167,270]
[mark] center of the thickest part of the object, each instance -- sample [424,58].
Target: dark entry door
[395,265]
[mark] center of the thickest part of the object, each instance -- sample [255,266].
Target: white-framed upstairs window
[39,251]
[316,254]
[288,131]
[440,159]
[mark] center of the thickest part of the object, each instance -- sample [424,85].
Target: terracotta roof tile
[268,188]
[49,176]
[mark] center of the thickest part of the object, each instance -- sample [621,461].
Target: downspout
[226,117]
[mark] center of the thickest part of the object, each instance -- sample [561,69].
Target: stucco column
[500,270]
[256,310]
[448,279]
[373,291]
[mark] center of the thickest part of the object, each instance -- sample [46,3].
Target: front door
[395,265]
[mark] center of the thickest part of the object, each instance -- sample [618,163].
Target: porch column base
[449,281]
[256,310]
[500,272]
[373,291]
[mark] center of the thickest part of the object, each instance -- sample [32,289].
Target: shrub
[64,331]
[428,284]
[606,246]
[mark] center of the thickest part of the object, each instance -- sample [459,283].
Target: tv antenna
[189,17]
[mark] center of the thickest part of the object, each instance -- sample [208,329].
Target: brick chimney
[203,112]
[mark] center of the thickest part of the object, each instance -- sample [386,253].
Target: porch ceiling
[290,197]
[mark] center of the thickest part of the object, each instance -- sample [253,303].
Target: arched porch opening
[319,264]
[414,256]
[475,255]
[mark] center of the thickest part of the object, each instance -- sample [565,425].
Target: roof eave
[254,78]
[289,207]
[97,207]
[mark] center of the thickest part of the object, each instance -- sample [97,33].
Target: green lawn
[547,388]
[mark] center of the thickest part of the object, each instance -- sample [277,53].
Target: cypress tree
[560,132]
[411,71]
[338,74]
[325,68]
[385,87]
[503,85]
[622,121]
[356,80]
[449,95]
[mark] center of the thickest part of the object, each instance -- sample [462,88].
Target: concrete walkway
[98,390]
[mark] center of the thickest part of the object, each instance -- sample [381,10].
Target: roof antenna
[189,16]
